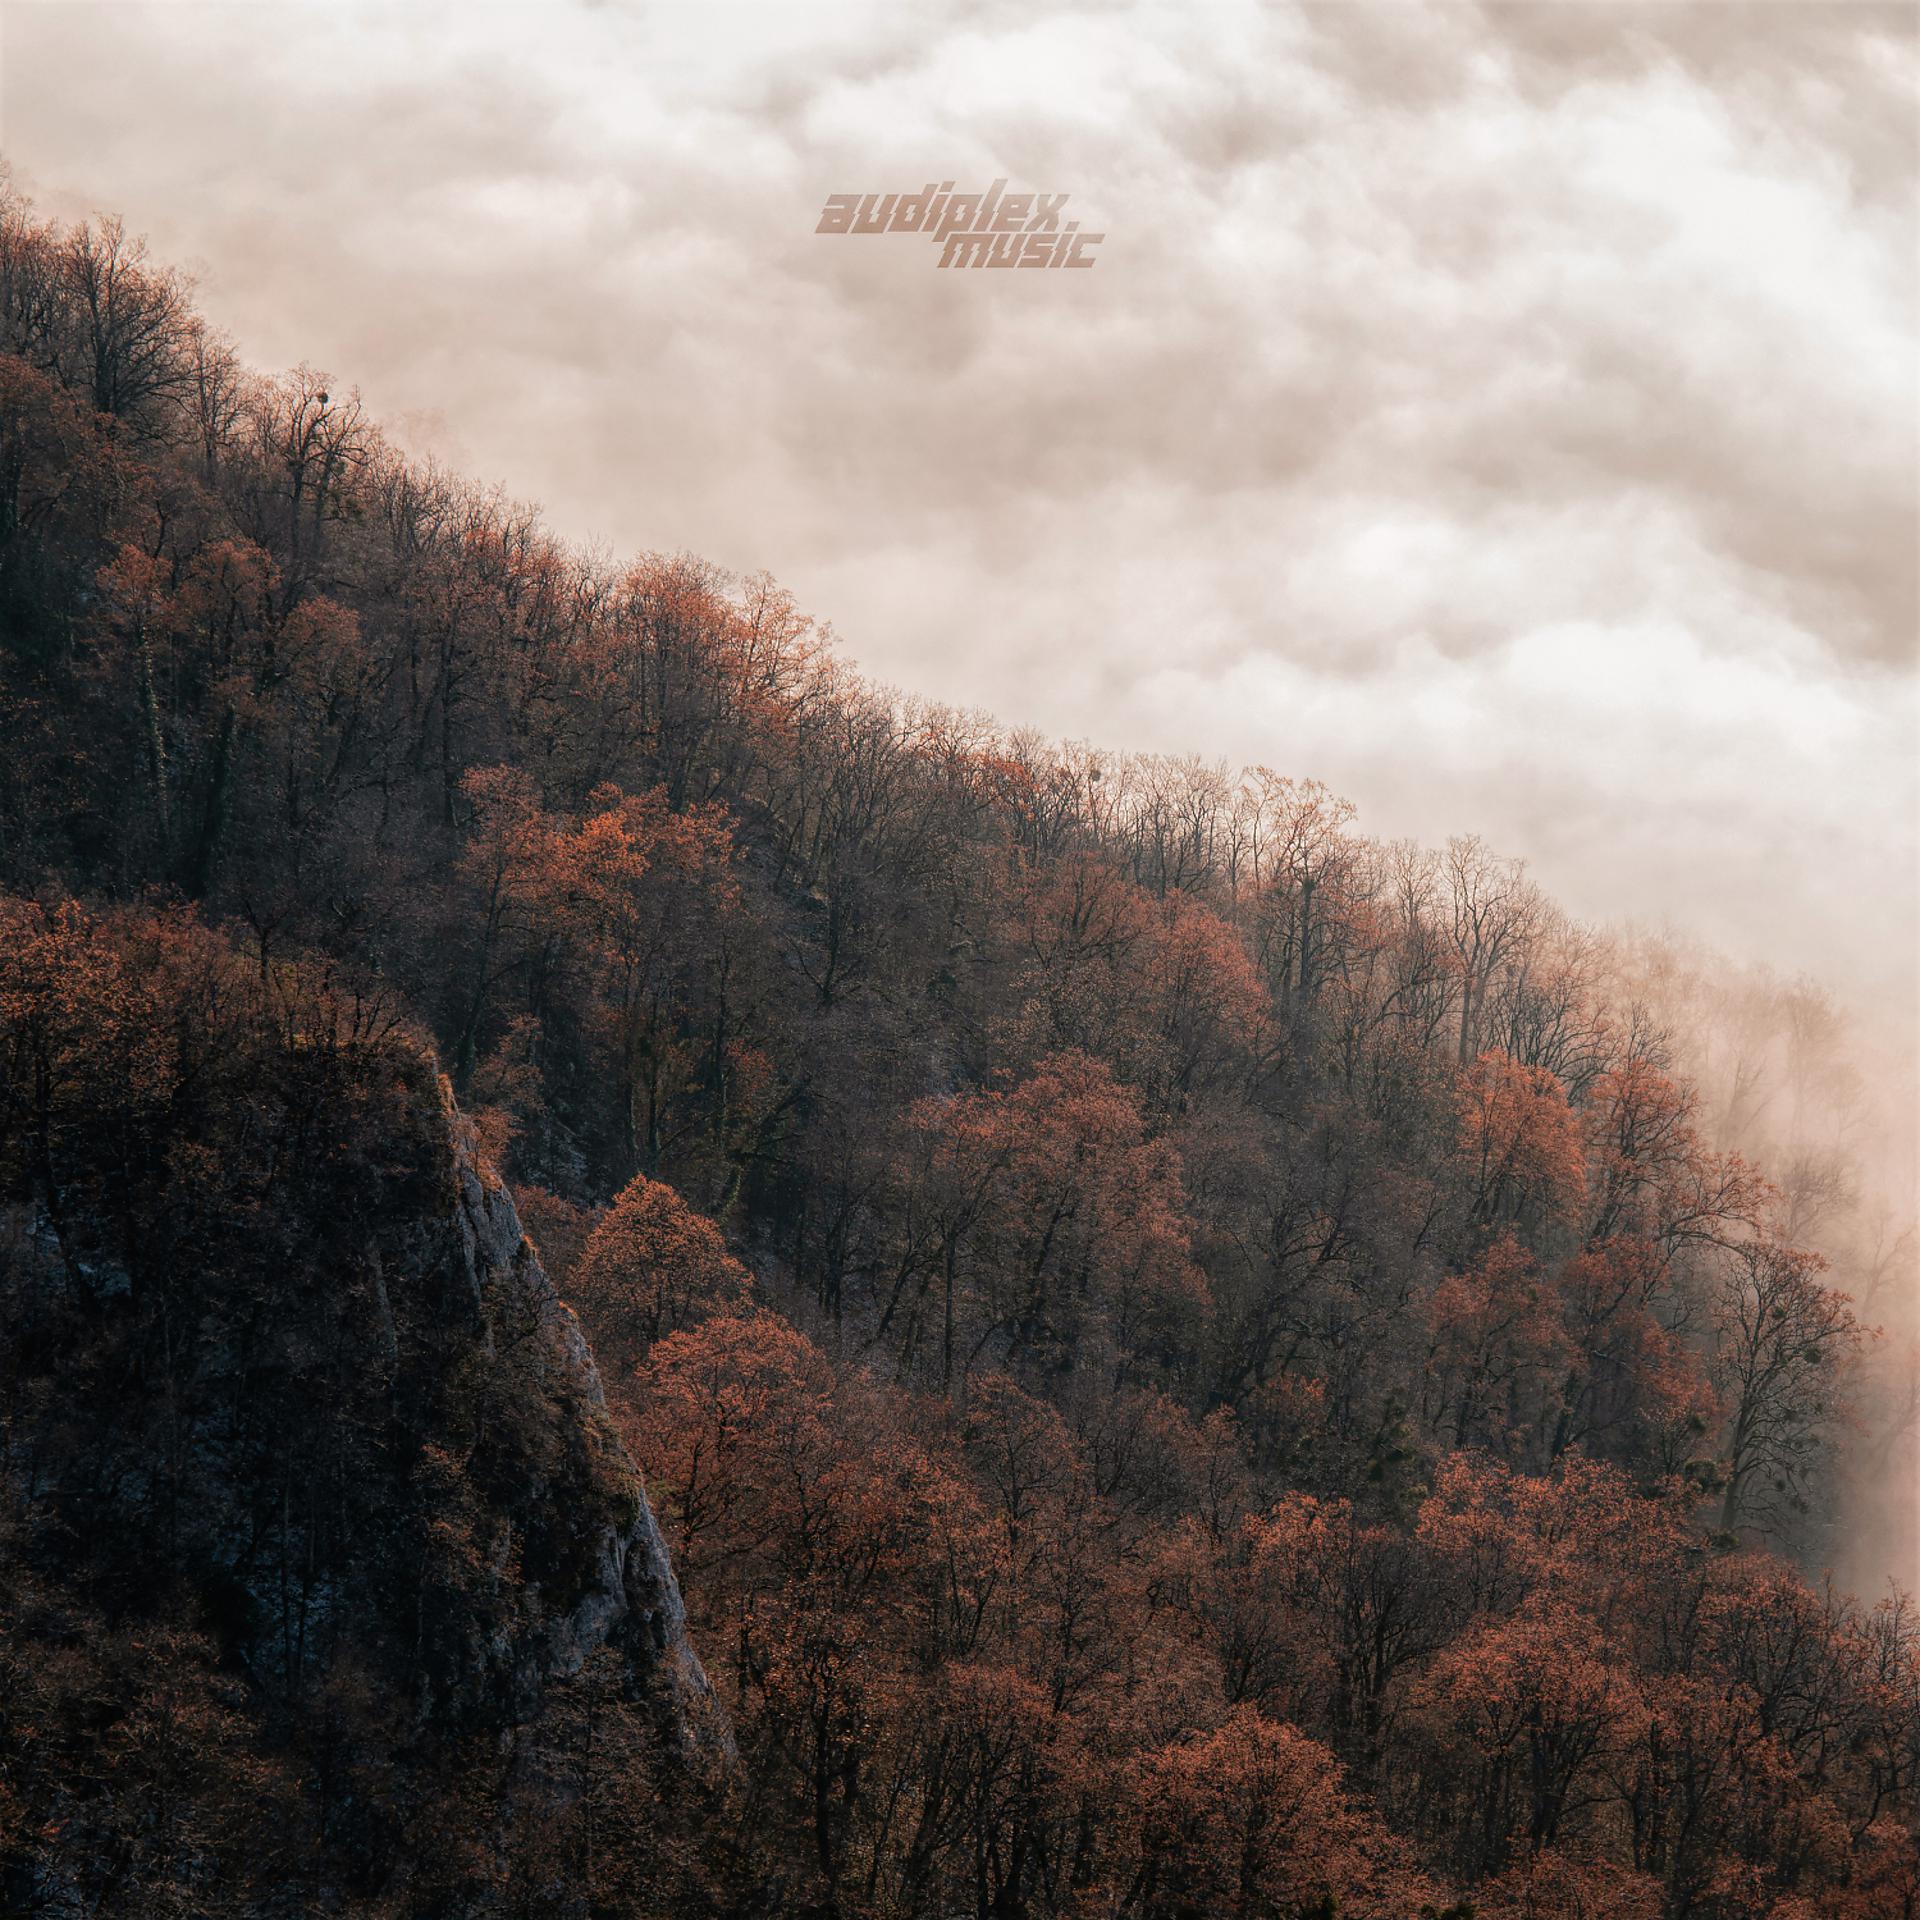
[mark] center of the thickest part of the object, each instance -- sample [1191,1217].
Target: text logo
[991,229]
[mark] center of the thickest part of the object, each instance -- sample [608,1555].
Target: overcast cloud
[1506,414]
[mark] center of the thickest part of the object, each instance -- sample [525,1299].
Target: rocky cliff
[279,1359]
[621,1591]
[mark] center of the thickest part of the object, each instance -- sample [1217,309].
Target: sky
[1506,414]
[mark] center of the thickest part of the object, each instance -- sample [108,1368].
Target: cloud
[1506,413]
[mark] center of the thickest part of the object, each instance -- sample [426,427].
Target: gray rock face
[628,1597]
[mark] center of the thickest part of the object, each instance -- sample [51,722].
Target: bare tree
[133,324]
[1781,1339]
[1493,911]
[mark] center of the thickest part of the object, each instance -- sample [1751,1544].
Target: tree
[134,325]
[640,889]
[1635,1387]
[1520,1142]
[651,1267]
[1497,1353]
[1492,912]
[1053,1218]
[1250,1821]
[1529,1710]
[1781,1344]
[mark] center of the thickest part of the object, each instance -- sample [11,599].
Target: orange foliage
[652,1266]
[1521,1142]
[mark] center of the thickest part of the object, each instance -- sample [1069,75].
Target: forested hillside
[1189,1362]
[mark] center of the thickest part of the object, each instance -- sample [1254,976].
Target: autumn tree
[1531,1709]
[1520,1144]
[1497,1352]
[650,1267]
[1251,1820]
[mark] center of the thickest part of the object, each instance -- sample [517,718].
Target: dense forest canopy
[1190,1362]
